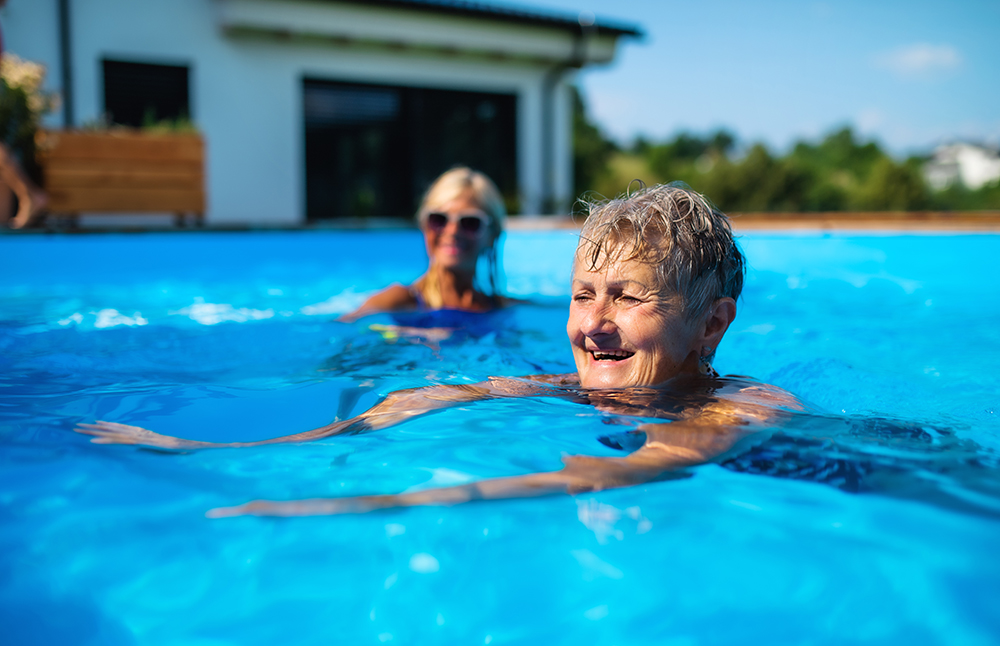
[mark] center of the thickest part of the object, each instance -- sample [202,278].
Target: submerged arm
[668,447]
[579,475]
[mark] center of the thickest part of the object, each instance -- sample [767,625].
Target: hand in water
[313,507]
[114,433]
[397,407]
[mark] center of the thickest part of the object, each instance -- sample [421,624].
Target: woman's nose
[451,227]
[599,320]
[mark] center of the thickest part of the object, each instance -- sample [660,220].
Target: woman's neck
[450,289]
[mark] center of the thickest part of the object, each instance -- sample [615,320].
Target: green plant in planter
[180,125]
[23,103]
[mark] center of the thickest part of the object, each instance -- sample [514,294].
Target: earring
[705,362]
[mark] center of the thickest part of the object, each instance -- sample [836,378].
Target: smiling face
[451,246]
[627,330]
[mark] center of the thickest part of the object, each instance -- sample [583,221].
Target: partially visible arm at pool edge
[395,408]
[391,299]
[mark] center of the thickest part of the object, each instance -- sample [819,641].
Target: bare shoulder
[752,391]
[754,401]
[393,298]
[525,386]
[568,379]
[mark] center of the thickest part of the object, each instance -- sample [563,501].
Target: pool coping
[971,221]
[920,221]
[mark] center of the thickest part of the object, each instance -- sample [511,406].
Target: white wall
[563,172]
[246,92]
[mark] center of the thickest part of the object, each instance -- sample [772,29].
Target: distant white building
[968,164]
[316,109]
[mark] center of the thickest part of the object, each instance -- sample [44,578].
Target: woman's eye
[582,297]
[628,299]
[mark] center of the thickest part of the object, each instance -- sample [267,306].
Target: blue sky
[909,74]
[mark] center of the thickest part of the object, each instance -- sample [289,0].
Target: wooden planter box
[123,172]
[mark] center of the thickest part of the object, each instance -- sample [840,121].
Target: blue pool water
[232,336]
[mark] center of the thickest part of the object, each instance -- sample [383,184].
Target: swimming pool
[224,337]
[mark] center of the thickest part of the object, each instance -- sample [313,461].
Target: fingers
[109,438]
[100,432]
[114,433]
[225,512]
[99,427]
[88,429]
[311,507]
[259,508]
[112,439]
[107,427]
[111,432]
[123,428]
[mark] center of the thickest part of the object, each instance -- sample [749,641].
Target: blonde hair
[675,229]
[460,182]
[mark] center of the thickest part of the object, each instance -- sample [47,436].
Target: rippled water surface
[874,522]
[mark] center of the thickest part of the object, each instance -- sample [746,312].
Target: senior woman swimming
[655,281]
[461,216]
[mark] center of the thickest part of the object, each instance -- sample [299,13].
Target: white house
[313,109]
[968,164]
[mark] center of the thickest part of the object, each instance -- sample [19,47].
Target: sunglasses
[469,223]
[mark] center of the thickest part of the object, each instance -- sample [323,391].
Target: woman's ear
[720,316]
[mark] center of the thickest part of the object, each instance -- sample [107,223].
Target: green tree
[892,187]
[839,172]
[687,157]
[959,198]
[758,182]
[839,166]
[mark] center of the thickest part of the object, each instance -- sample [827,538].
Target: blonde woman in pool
[655,282]
[461,216]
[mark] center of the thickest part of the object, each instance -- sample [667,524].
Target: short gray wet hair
[675,229]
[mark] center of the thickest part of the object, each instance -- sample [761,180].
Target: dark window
[374,150]
[136,94]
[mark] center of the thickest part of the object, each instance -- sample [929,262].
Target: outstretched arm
[397,407]
[668,448]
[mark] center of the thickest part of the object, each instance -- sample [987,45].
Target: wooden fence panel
[123,172]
